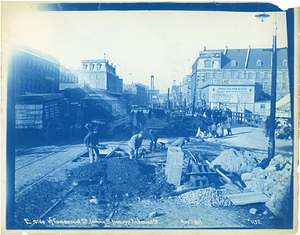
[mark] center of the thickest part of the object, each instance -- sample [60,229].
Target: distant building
[135,94]
[34,71]
[100,74]
[237,78]
[68,78]
[176,94]
[187,90]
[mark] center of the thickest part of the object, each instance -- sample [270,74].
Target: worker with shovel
[91,141]
[134,144]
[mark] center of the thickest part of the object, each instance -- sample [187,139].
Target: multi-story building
[135,93]
[34,71]
[237,77]
[176,94]
[186,90]
[100,74]
[68,78]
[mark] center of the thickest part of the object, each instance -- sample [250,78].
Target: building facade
[67,75]
[35,71]
[135,94]
[100,74]
[187,90]
[176,94]
[237,78]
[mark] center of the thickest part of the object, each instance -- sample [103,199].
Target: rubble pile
[274,181]
[116,179]
[206,197]
[239,162]
[156,123]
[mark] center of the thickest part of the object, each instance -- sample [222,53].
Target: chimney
[204,48]
[247,57]
[225,51]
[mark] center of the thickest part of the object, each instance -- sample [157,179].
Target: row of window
[38,66]
[67,79]
[241,75]
[36,85]
[209,63]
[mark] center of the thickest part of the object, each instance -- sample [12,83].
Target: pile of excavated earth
[119,179]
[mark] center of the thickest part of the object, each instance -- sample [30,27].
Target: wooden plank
[112,152]
[248,198]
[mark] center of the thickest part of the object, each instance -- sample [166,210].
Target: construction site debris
[155,123]
[274,181]
[239,162]
[253,211]
[248,198]
[206,197]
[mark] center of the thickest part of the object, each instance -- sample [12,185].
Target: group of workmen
[133,146]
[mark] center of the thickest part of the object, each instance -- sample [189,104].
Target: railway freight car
[109,111]
[39,114]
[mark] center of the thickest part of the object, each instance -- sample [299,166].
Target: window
[258,63]
[208,75]
[240,75]
[257,74]
[284,63]
[265,85]
[284,76]
[92,67]
[215,75]
[208,64]
[283,85]
[220,75]
[233,63]
[266,75]
[99,66]
[232,75]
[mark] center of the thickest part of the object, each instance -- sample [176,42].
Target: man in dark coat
[153,140]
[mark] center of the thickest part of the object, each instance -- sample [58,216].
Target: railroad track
[49,173]
[48,155]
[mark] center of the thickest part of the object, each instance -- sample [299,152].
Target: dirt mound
[117,179]
[238,162]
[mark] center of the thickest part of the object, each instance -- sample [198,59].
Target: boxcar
[39,114]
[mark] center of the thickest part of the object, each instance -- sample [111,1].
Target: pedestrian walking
[267,126]
[91,141]
[134,144]
[153,140]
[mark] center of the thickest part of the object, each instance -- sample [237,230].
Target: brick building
[35,71]
[237,77]
[100,74]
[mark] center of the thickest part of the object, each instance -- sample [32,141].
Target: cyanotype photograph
[149,117]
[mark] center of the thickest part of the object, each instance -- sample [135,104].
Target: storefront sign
[231,94]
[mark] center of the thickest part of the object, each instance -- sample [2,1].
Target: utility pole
[152,91]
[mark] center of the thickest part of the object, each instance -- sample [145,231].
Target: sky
[140,43]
